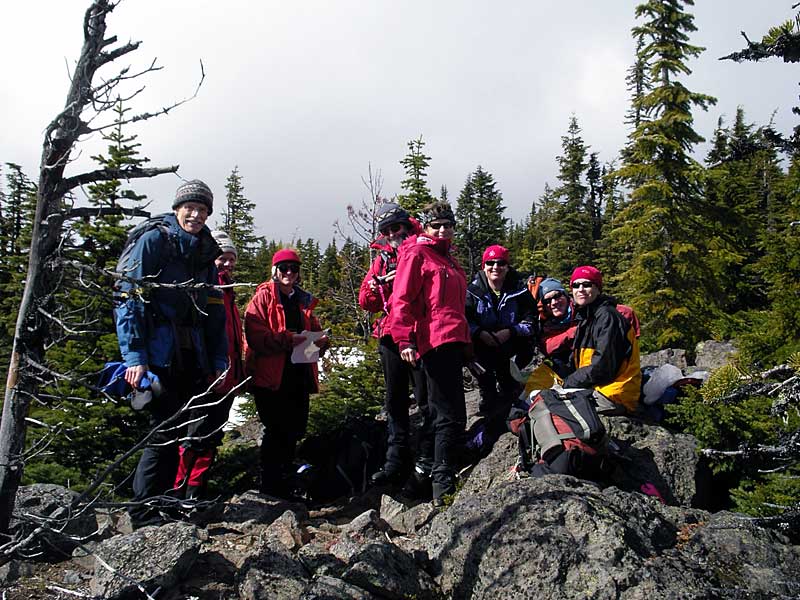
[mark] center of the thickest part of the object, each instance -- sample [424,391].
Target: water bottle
[149,387]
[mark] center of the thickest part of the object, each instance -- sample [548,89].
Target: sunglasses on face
[551,299]
[395,228]
[289,268]
[499,263]
[445,224]
[583,285]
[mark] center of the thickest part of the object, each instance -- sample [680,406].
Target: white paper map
[307,351]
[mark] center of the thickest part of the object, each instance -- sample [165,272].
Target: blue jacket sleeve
[130,316]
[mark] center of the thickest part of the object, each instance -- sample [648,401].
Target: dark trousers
[397,373]
[442,367]
[155,473]
[498,388]
[284,414]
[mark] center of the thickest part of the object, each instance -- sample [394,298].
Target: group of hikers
[178,324]
[433,322]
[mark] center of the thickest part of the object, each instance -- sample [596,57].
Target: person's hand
[487,338]
[322,342]
[297,339]
[133,375]
[389,276]
[216,377]
[409,355]
[502,336]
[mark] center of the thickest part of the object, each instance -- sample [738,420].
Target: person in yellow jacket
[606,349]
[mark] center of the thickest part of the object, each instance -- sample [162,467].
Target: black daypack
[124,263]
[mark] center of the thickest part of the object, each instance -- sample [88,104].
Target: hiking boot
[387,476]
[191,497]
[418,486]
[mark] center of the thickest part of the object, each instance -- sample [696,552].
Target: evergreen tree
[415,184]
[574,242]
[666,221]
[237,222]
[479,218]
[740,187]
[18,208]
[90,429]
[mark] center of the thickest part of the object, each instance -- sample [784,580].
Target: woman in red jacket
[274,319]
[428,321]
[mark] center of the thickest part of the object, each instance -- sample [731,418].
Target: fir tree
[479,218]
[92,430]
[19,206]
[665,222]
[575,241]
[415,184]
[237,222]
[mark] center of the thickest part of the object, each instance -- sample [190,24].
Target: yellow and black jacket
[606,354]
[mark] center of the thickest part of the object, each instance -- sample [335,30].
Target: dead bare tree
[88,99]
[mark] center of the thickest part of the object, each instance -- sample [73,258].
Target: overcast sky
[303,96]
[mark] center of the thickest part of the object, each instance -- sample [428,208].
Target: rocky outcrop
[147,559]
[502,537]
[43,505]
[560,537]
[711,354]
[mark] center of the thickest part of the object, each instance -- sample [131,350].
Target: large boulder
[668,356]
[149,558]
[389,572]
[650,454]
[274,572]
[560,537]
[45,504]
[711,354]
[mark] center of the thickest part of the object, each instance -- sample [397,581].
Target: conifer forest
[702,246]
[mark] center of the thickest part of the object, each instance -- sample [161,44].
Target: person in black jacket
[500,312]
[606,347]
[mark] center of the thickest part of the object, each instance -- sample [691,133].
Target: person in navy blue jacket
[178,333]
[500,312]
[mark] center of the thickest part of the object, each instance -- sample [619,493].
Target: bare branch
[111,174]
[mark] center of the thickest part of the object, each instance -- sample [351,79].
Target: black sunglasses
[393,228]
[289,267]
[499,263]
[552,299]
[586,285]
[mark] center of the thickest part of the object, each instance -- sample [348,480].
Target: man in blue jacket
[177,333]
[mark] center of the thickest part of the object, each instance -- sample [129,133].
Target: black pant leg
[396,375]
[446,396]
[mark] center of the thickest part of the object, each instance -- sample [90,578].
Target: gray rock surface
[150,557]
[710,355]
[668,356]
[560,537]
[389,572]
[404,519]
[652,454]
[328,588]
[274,572]
[34,505]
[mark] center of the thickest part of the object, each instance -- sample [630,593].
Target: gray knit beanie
[194,191]
[224,242]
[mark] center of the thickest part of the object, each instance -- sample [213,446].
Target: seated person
[606,348]
[557,325]
[500,312]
